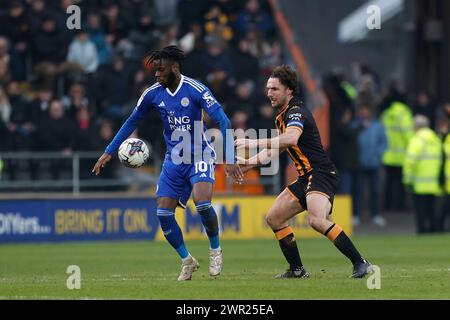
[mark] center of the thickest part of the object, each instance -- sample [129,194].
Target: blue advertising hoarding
[76,220]
[54,220]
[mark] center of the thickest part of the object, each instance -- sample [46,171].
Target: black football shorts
[316,181]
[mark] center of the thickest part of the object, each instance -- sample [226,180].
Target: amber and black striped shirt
[308,154]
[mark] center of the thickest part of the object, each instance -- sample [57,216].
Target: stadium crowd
[392,147]
[68,90]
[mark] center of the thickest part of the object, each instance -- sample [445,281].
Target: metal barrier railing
[76,183]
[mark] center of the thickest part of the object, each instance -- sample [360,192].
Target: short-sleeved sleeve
[294,118]
[207,101]
[145,102]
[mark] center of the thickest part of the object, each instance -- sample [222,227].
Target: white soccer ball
[133,153]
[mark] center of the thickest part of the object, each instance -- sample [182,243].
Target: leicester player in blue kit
[189,162]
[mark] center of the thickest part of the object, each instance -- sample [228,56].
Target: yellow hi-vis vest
[423,161]
[399,128]
[349,89]
[447,163]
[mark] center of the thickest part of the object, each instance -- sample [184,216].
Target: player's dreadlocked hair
[172,53]
[287,76]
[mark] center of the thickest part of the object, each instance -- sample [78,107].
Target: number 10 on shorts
[202,167]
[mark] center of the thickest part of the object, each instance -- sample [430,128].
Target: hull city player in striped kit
[317,181]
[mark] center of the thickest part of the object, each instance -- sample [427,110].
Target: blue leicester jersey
[182,116]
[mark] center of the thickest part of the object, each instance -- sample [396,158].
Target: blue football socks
[209,220]
[172,231]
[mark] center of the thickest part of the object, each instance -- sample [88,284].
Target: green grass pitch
[412,267]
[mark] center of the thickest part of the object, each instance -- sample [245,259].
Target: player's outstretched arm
[244,164]
[234,171]
[101,162]
[285,140]
[263,157]
[231,168]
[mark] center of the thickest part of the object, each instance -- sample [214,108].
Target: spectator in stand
[5,106]
[50,52]
[218,66]
[38,12]
[245,62]
[22,126]
[258,47]
[113,89]
[272,57]
[345,155]
[426,106]
[421,171]
[165,12]
[169,37]
[5,75]
[5,133]
[106,133]
[390,94]
[397,120]
[239,119]
[13,62]
[192,40]
[86,139]
[366,89]
[244,98]
[23,119]
[5,115]
[372,143]
[443,126]
[4,136]
[217,23]
[59,13]
[140,84]
[264,118]
[143,36]
[82,51]
[361,74]
[97,35]
[56,133]
[193,64]
[342,136]
[189,12]
[41,102]
[113,24]
[253,16]
[76,100]
[133,11]
[16,27]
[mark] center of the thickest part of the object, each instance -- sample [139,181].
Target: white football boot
[188,267]
[215,262]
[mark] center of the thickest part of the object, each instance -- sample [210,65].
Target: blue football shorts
[177,180]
